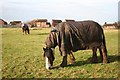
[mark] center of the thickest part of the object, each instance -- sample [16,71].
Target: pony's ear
[44,48]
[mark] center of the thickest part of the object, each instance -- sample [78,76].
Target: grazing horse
[73,36]
[25,29]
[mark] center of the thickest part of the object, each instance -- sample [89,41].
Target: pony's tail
[104,43]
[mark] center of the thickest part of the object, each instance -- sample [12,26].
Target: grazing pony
[25,29]
[73,36]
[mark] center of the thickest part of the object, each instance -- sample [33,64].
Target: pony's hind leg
[94,56]
[28,31]
[72,58]
[104,54]
[101,55]
[25,31]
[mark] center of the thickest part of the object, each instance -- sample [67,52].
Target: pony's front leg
[23,31]
[64,62]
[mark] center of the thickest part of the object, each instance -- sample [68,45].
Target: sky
[119,11]
[25,10]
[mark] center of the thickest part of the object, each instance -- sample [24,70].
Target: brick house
[41,23]
[38,23]
[3,22]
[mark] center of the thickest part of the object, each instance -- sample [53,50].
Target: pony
[73,36]
[25,29]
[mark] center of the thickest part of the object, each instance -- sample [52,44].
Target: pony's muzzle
[48,65]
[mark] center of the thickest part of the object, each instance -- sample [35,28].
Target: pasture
[22,57]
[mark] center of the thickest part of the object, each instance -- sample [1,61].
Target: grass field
[22,57]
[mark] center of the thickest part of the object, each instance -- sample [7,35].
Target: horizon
[58,19]
[27,10]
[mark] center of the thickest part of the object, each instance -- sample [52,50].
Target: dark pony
[25,29]
[73,36]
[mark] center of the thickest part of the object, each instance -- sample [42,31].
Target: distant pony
[25,29]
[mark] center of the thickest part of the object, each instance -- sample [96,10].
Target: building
[31,23]
[38,23]
[110,26]
[41,23]
[3,22]
[16,23]
[55,22]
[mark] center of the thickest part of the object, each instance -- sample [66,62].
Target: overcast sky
[119,11]
[26,10]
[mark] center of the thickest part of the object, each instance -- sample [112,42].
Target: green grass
[22,57]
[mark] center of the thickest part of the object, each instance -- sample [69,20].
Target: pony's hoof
[72,61]
[105,61]
[63,65]
[94,60]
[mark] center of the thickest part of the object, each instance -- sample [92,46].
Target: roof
[2,20]
[56,21]
[69,20]
[15,22]
[109,25]
[41,20]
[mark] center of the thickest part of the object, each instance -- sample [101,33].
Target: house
[69,20]
[110,26]
[3,22]
[38,23]
[41,23]
[31,23]
[55,22]
[16,23]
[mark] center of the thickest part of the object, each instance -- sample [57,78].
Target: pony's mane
[51,40]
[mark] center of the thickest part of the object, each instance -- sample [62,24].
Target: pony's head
[48,54]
